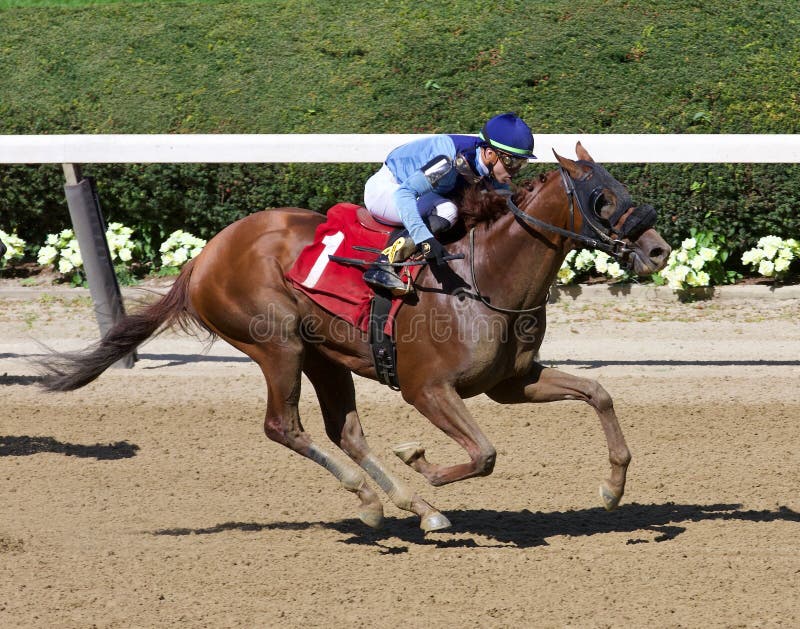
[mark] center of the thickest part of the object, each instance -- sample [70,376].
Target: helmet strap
[490,165]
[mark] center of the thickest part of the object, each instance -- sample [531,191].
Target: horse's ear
[582,153]
[575,170]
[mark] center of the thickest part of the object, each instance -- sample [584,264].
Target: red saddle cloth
[339,288]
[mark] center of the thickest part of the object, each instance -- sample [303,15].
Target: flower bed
[700,262]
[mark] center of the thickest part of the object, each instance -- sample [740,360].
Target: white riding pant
[379,199]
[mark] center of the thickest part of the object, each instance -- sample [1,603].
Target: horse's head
[609,215]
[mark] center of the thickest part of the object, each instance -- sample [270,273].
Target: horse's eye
[599,203]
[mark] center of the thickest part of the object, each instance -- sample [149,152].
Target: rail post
[90,230]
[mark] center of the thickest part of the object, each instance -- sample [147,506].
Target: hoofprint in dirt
[152,498]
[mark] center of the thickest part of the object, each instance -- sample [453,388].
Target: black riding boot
[382,275]
[437,224]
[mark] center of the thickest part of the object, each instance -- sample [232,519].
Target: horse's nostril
[656,253]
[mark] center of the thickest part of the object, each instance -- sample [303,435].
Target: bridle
[599,236]
[603,242]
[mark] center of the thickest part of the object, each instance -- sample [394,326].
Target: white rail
[366,148]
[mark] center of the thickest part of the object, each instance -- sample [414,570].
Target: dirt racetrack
[151,498]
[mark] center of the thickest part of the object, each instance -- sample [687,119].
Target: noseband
[595,235]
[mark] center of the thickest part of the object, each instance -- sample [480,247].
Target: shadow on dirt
[521,529]
[6,380]
[596,364]
[26,446]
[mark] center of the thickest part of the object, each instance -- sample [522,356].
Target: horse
[511,246]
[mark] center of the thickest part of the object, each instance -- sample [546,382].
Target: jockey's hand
[433,251]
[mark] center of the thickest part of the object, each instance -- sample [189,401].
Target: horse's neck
[522,260]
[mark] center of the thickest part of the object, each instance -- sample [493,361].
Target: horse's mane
[479,204]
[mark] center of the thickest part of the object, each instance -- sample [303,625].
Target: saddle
[329,271]
[367,221]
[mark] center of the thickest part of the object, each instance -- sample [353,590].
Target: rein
[480,296]
[613,247]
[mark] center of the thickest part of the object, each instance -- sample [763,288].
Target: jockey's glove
[433,251]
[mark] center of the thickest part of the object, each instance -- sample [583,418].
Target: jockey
[410,190]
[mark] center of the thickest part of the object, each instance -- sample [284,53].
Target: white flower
[180,247]
[125,255]
[697,279]
[614,270]
[584,260]
[52,239]
[772,256]
[74,258]
[770,249]
[682,255]
[674,283]
[565,275]
[15,246]
[776,241]
[752,256]
[766,268]
[707,253]
[689,243]
[601,262]
[64,266]
[47,255]
[680,272]
[179,256]
[697,263]
[782,264]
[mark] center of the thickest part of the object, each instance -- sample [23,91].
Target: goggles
[511,163]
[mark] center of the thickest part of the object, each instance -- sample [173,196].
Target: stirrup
[382,276]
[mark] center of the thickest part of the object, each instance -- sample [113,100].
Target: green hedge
[330,66]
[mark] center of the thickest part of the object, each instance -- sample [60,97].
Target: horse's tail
[73,370]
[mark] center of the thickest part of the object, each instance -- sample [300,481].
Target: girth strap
[384,350]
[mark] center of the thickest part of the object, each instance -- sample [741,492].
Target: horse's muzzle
[650,253]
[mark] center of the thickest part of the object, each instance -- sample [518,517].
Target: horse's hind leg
[551,385]
[336,393]
[281,365]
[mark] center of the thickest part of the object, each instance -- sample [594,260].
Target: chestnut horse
[473,327]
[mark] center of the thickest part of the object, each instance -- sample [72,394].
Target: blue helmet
[508,133]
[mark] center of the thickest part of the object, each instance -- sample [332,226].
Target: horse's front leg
[446,410]
[551,385]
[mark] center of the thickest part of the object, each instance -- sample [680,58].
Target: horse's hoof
[373,518]
[434,521]
[609,498]
[409,452]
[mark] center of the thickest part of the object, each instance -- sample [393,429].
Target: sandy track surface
[151,498]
